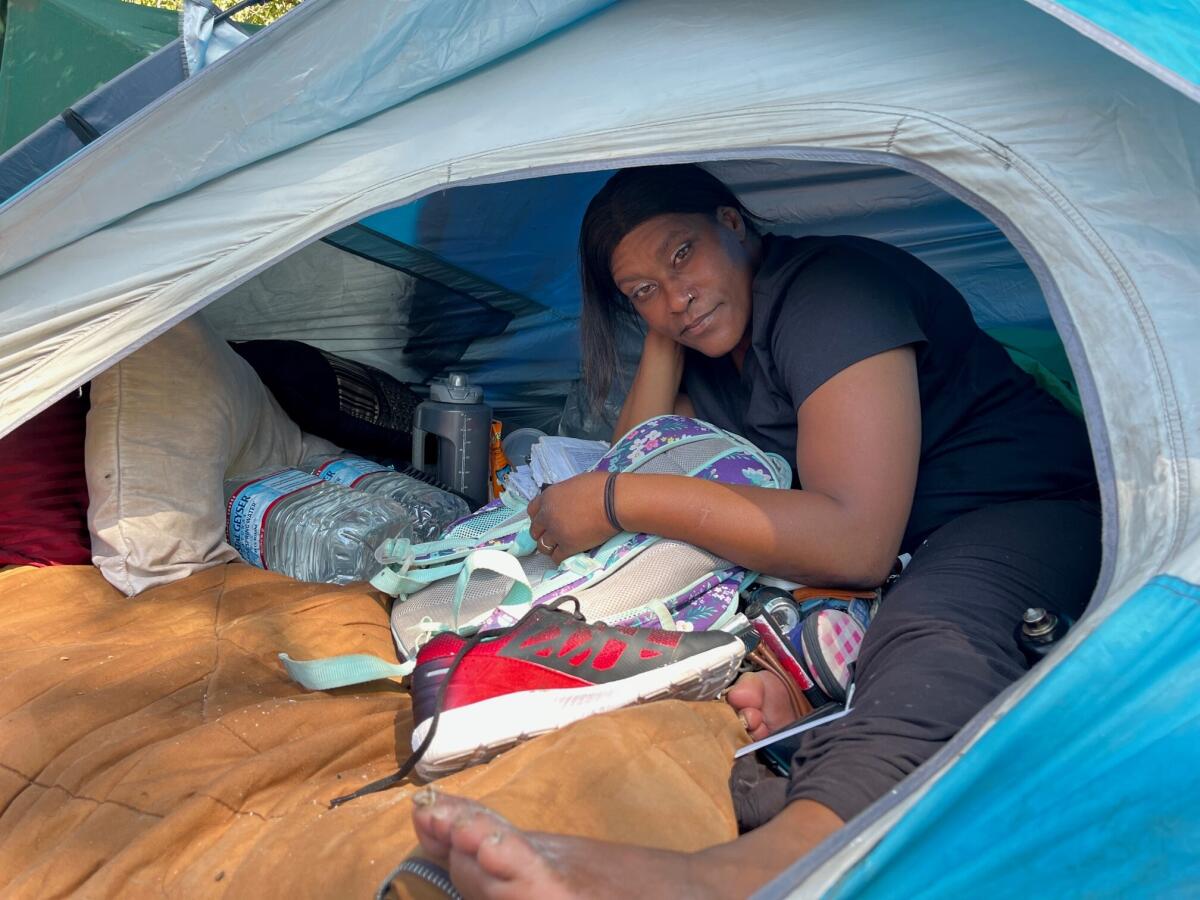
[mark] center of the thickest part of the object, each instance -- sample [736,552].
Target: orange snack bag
[500,464]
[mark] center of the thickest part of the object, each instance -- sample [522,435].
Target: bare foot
[762,703]
[488,857]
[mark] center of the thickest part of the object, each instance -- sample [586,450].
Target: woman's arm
[858,445]
[655,389]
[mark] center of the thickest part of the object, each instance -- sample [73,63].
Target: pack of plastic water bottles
[323,521]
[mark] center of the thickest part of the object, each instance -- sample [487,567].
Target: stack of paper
[520,482]
[553,459]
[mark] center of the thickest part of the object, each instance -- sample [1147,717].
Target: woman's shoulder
[841,279]
[845,257]
[822,304]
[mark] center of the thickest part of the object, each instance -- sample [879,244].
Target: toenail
[745,722]
[426,796]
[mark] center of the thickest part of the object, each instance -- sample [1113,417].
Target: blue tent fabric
[1161,36]
[1087,787]
[521,236]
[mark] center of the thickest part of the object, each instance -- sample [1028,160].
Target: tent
[1042,155]
[55,51]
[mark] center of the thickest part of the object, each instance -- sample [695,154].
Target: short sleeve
[841,307]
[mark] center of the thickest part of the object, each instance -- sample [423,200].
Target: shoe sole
[474,734]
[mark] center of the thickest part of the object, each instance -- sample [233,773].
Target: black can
[1039,631]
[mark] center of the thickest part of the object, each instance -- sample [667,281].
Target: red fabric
[43,491]
[609,654]
[481,677]
[440,646]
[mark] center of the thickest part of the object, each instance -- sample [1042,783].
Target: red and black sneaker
[551,668]
[474,697]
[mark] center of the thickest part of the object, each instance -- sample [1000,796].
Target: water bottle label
[349,471]
[252,502]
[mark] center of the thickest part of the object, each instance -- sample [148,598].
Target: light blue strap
[401,582]
[341,671]
[748,578]
[398,583]
[524,544]
[783,470]
[501,563]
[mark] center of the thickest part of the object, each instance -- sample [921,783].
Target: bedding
[156,747]
[166,425]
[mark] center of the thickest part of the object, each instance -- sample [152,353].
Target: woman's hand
[568,517]
[662,348]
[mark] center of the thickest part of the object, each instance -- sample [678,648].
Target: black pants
[941,646]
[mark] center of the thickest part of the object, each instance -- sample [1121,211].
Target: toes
[762,703]
[474,826]
[491,858]
[747,693]
[485,854]
[434,818]
[754,723]
[508,854]
[506,865]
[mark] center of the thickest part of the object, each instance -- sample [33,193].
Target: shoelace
[409,764]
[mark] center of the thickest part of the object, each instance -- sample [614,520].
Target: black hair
[628,199]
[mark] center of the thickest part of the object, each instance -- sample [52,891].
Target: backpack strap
[358,668]
[341,671]
[500,562]
[403,574]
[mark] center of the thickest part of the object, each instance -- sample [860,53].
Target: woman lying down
[911,432]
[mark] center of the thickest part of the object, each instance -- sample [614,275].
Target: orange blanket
[155,746]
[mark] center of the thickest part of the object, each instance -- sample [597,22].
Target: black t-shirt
[989,434]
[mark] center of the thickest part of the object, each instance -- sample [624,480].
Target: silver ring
[549,548]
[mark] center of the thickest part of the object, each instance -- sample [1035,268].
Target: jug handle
[418,449]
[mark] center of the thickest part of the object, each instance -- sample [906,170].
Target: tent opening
[483,278]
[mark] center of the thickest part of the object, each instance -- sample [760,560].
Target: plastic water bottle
[293,522]
[430,508]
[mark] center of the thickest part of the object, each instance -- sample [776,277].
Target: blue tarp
[1165,31]
[1088,787]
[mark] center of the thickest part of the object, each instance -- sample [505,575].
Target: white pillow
[165,426]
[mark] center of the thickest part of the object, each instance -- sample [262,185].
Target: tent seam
[68,345]
[892,137]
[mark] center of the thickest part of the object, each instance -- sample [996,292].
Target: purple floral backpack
[485,573]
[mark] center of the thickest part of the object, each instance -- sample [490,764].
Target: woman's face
[689,276]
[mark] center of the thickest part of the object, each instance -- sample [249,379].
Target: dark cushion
[356,406]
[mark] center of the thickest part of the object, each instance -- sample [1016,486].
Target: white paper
[551,460]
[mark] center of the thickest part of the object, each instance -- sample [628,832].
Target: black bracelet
[610,501]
